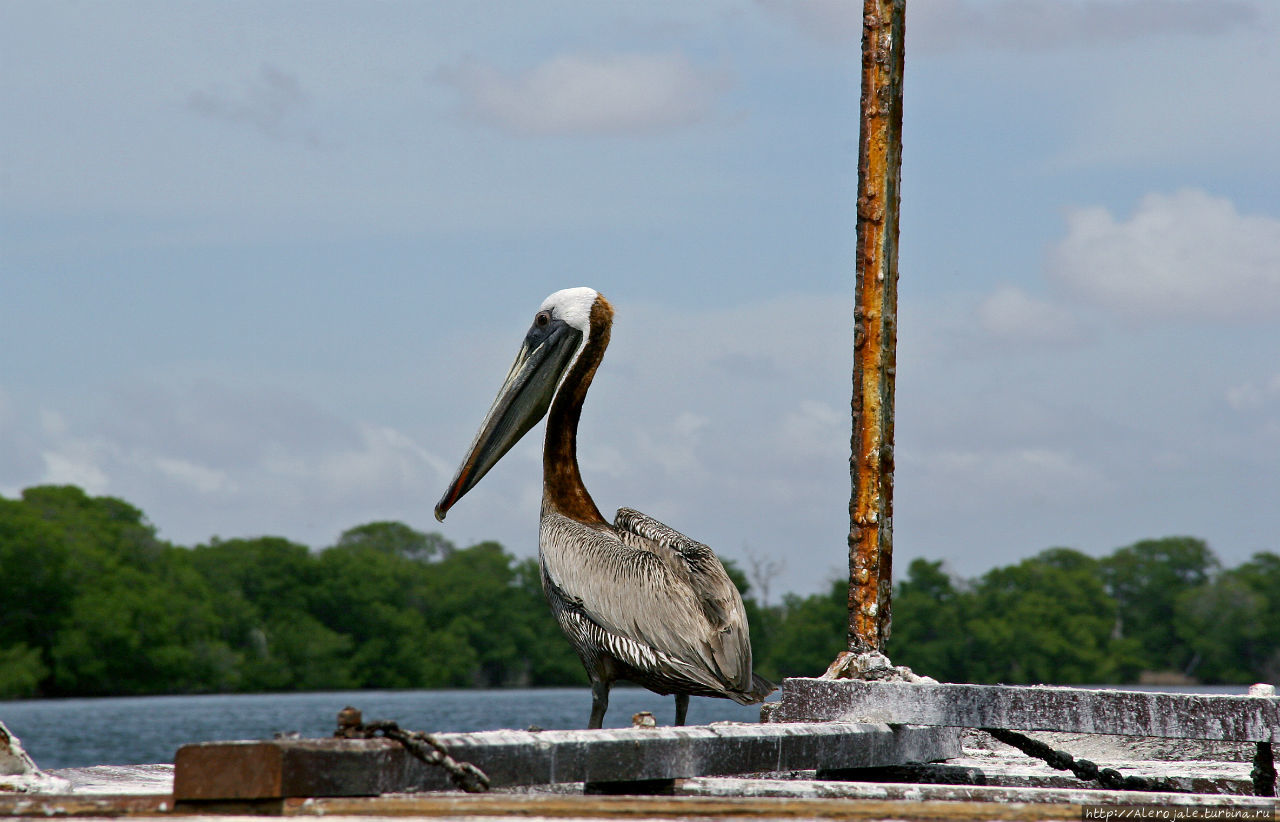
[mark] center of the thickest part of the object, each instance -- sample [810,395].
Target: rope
[1082,768]
[422,745]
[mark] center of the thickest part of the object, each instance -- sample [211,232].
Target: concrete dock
[864,751]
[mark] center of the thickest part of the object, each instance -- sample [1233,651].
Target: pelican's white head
[573,305]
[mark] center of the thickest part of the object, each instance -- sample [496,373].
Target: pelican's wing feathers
[715,594]
[661,598]
[726,639]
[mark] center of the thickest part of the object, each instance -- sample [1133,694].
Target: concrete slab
[131,780]
[18,774]
[234,771]
[1225,778]
[1034,708]
[1108,748]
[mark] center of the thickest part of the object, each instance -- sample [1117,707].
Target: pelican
[638,601]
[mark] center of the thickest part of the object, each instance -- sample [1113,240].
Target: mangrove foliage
[95,604]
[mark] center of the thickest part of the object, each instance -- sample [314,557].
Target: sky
[263,266]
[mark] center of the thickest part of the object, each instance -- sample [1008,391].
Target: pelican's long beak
[521,402]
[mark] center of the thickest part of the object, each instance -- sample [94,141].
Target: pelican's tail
[760,688]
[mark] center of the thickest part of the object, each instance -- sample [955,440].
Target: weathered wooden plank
[703,798]
[987,794]
[1033,708]
[246,770]
[339,767]
[668,807]
[68,805]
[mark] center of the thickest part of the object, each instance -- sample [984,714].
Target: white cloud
[189,454]
[199,477]
[383,461]
[52,423]
[1026,473]
[829,21]
[1012,314]
[673,444]
[1253,395]
[604,459]
[1035,25]
[1186,255]
[580,94]
[77,462]
[814,430]
[271,103]
[1178,107]
[936,26]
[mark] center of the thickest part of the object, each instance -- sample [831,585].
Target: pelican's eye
[542,319]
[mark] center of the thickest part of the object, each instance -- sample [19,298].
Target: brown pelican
[638,600]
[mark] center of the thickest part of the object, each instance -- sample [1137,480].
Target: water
[72,733]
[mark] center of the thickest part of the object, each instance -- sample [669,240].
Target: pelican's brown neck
[562,487]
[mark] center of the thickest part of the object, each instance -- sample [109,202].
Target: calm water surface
[71,733]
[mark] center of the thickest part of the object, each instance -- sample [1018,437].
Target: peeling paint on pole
[875,325]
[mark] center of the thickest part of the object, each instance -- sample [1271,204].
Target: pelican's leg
[682,707]
[599,702]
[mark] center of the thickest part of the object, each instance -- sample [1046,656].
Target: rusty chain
[422,745]
[1082,768]
[1263,774]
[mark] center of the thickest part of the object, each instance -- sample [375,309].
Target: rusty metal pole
[875,326]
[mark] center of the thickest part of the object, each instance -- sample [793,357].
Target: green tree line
[95,604]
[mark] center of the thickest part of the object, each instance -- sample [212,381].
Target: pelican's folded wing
[639,591]
[593,631]
[726,638]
